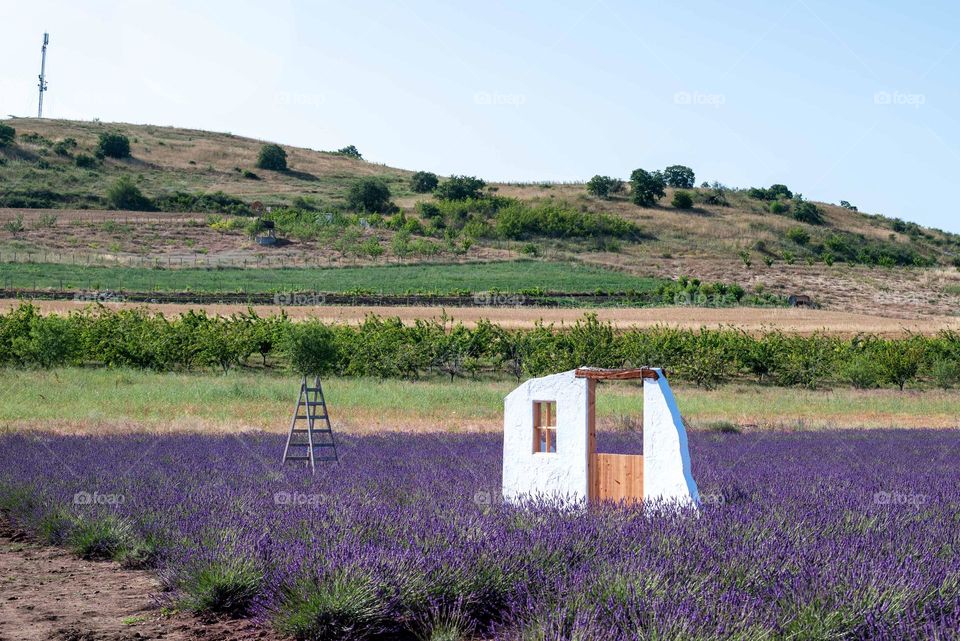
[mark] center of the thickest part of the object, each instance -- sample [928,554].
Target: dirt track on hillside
[754,320]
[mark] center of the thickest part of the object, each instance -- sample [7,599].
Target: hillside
[852,261]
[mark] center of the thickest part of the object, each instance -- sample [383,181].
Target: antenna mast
[43,73]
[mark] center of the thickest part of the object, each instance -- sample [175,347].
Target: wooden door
[617,477]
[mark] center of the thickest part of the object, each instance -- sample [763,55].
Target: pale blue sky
[840,100]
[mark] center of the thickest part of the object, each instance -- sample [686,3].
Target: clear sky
[849,100]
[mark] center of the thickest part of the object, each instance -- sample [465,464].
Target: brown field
[754,320]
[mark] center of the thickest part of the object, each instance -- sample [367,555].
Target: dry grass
[114,401]
[754,320]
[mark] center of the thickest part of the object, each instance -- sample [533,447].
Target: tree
[779,191]
[601,186]
[682,200]
[114,145]
[648,187]
[370,195]
[460,188]
[423,182]
[310,347]
[124,194]
[7,135]
[272,157]
[900,361]
[350,152]
[679,177]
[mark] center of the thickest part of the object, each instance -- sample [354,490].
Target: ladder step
[312,389]
[318,417]
[316,430]
[312,403]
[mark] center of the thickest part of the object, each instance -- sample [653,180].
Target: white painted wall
[561,475]
[666,456]
[667,477]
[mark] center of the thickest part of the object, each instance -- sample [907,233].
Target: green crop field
[398,279]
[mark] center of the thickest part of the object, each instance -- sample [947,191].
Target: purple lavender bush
[827,535]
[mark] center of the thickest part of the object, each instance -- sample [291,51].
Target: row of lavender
[829,535]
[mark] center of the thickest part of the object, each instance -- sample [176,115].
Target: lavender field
[832,535]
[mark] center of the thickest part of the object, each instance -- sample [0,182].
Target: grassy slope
[168,159]
[105,400]
[396,279]
[705,242]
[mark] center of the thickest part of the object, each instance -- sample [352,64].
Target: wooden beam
[599,373]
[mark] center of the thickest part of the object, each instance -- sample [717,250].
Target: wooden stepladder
[310,428]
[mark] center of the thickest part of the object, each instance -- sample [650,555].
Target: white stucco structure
[560,475]
[565,473]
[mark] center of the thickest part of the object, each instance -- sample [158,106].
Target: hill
[846,260]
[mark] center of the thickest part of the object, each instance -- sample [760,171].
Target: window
[545,427]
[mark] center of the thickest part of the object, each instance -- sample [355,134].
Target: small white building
[550,446]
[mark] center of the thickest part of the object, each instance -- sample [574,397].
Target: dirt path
[47,594]
[755,320]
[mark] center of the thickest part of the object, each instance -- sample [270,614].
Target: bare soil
[47,594]
[755,320]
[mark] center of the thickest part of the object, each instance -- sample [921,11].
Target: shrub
[14,225]
[460,188]
[679,177]
[7,135]
[85,161]
[224,587]
[423,182]
[798,235]
[370,195]
[249,175]
[124,194]
[600,186]
[310,348]
[682,200]
[777,207]
[272,157]
[114,145]
[647,187]
[98,539]
[350,152]
[333,607]
[807,212]
[519,221]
